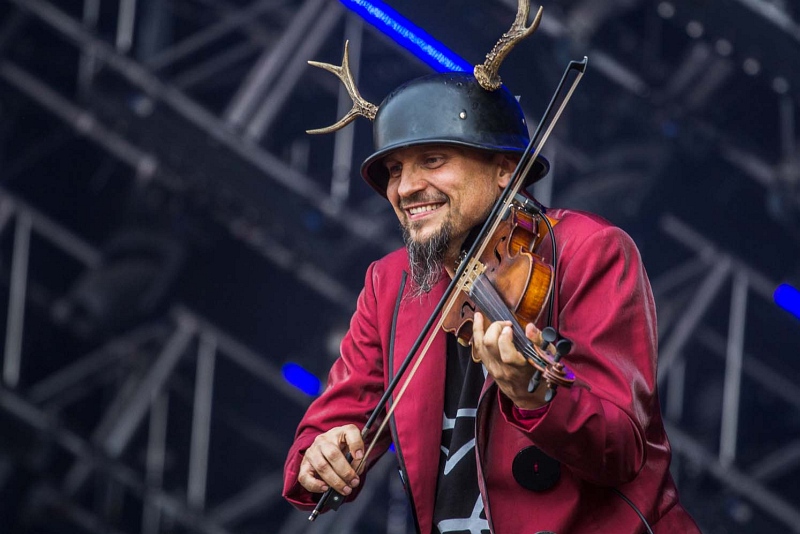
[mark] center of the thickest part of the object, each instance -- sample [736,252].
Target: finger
[307,477]
[533,333]
[353,443]
[492,334]
[508,351]
[477,329]
[330,465]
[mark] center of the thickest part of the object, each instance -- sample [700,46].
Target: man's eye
[394,170]
[433,161]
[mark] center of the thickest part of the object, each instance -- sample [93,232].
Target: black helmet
[449,108]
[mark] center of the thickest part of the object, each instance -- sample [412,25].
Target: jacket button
[535,471]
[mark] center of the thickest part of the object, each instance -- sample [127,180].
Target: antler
[486,74]
[360,106]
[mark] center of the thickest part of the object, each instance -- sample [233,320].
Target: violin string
[488,300]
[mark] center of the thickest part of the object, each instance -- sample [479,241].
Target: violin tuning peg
[551,393]
[563,347]
[549,334]
[534,383]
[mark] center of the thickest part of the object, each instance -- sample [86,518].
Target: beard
[426,258]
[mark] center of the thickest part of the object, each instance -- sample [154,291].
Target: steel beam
[201,422]
[155,460]
[250,500]
[343,142]
[269,67]
[15,405]
[202,38]
[12,358]
[272,166]
[147,165]
[736,481]
[271,103]
[729,433]
[152,384]
[689,321]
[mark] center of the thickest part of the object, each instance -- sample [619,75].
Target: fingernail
[359,454]
[355,482]
[347,490]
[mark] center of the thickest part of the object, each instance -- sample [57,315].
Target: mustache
[422,198]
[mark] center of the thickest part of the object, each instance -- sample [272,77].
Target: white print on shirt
[474,524]
[448,424]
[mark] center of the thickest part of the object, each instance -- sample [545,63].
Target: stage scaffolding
[174,359]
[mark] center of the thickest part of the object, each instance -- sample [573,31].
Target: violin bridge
[471,273]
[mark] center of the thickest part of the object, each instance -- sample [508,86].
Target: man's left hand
[494,347]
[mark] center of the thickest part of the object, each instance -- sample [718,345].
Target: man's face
[436,186]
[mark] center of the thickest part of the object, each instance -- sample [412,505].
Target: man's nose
[411,181]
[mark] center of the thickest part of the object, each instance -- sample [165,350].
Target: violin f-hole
[497,253]
[469,306]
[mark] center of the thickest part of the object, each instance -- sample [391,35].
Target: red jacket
[607,434]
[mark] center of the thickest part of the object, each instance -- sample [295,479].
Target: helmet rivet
[463,114]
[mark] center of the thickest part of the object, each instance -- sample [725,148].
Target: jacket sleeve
[354,387]
[600,429]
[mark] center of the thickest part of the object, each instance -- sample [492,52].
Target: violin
[510,282]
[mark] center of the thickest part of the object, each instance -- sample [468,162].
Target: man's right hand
[324,464]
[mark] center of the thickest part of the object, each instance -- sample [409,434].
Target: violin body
[521,278]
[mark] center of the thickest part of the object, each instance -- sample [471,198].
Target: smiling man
[479,452]
[439,193]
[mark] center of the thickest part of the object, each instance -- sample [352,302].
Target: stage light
[302,379]
[408,35]
[788,298]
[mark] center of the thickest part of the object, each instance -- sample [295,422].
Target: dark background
[170,237]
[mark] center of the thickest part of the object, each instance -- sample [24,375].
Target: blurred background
[179,259]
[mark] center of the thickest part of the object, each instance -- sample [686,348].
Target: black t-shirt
[459,507]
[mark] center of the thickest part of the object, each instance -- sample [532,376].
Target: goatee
[426,258]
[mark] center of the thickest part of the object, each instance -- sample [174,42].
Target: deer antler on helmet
[486,74]
[360,106]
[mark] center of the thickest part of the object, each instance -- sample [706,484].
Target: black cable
[630,503]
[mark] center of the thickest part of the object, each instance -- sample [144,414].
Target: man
[478,451]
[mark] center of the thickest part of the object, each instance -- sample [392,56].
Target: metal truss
[145,370]
[259,88]
[689,344]
[132,387]
[172,353]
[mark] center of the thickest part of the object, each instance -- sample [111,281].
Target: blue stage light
[408,35]
[303,380]
[788,298]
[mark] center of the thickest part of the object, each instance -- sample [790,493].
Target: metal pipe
[201,422]
[733,371]
[126,17]
[692,239]
[151,385]
[343,141]
[269,66]
[253,363]
[268,107]
[272,166]
[691,319]
[208,35]
[248,501]
[40,421]
[738,482]
[16,302]
[155,460]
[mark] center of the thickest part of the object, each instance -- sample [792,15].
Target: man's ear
[506,163]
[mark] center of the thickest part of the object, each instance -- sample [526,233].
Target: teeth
[422,209]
